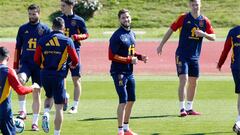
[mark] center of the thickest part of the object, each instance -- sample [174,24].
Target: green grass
[145,13]
[152,16]
[155,111]
[9,33]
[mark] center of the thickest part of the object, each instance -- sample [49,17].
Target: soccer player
[123,56]
[27,37]
[8,78]
[193,28]
[76,29]
[233,42]
[51,55]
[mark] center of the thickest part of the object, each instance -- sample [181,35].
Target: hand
[134,60]
[200,33]
[145,59]
[159,50]
[35,86]
[71,66]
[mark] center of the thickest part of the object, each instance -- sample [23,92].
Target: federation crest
[201,23]
[40,31]
[124,38]
[73,23]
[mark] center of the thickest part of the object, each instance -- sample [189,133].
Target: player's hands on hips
[134,60]
[159,50]
[144,58]
[200,33]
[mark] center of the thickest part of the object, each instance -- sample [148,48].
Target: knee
[22,78]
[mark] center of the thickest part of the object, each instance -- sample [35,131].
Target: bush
[84,8]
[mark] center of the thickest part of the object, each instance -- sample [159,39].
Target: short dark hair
[122,11]
[192,0]
[69,2]
[33,7]
[58,23]
[4,53]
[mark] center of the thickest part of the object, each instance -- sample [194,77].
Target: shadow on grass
[210,133]
[140,117]
[16,114]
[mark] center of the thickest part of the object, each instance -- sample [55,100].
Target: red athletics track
[94,58]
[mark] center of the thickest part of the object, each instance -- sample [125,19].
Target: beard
[126,26]
[33,20]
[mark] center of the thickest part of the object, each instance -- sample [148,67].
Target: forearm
[79,37]
[16,58]
[166,37]
[16,85]
[211,37]
[121,59]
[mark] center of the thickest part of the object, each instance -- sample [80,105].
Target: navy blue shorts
[76,71]
[7,127]
[54,87]
[236,78]
[125,87]
[187,66]
[32,71]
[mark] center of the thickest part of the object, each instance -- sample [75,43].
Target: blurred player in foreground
[123,56]
[8,78]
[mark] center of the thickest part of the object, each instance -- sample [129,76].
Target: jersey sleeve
[37,55]
[82,27]
[72,52]
[82,31]
[226,49]
[113,49]
[18,48]
[209,28]
[16,85]
[178,23]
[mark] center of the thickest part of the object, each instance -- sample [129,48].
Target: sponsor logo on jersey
[201,23]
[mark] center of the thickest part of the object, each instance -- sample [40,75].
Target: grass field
[146,16]
[156,109]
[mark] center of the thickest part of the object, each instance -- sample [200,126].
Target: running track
[94,58]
